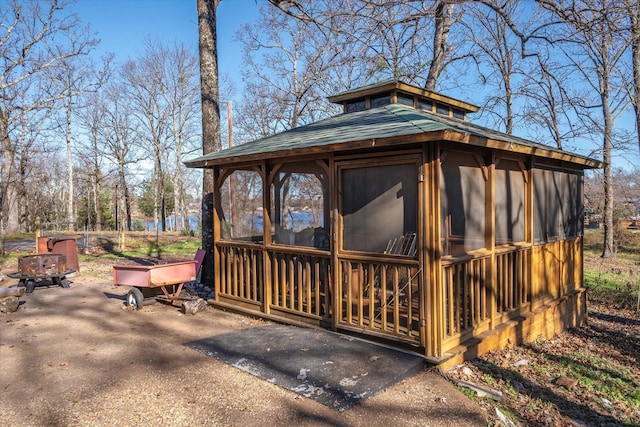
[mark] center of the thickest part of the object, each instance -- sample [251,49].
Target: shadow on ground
[335,370]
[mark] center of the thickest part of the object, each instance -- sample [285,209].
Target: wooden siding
[447,308]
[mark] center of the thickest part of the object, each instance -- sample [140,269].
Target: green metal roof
[338,132]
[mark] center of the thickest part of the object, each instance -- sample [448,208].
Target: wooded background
[99,144]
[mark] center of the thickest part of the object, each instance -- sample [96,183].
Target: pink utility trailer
[154,282]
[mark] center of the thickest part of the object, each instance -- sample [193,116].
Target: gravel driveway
[78,357]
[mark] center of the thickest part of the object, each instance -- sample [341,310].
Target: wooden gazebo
[400,221]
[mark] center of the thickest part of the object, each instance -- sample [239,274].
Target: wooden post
[232,179]
[266,238]
[532,259]
[436,292]
[425,189]
[38,230]
[121,236]
[216,234]
[491,275]
[335,234]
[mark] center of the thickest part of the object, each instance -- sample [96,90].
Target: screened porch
[403,225]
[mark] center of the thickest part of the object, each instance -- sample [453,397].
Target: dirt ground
[78,356]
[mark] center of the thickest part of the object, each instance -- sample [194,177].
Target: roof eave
[396,141]
[444,135]
[537,151]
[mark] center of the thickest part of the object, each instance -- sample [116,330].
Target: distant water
[192,223]
[297,221]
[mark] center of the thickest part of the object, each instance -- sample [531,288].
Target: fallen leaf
[566,382]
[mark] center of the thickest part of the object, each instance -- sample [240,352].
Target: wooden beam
[217,232]
[491,273]
[267,180]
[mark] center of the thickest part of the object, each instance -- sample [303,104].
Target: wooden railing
[466,295]
[380,297]
[513,287]
[300,280]
[241,274]
[473,301]
[297,279]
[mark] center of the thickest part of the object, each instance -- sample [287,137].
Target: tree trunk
[210,122]
[22,201]
[127,207]
[178,208]
[71,218]
[608,248]
[9,213]
[156,207]
[96,205]
[163,212]
[126,222]
[443,23]
[96,183]
[634,17]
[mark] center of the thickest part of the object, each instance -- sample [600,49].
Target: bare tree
[35,37]
[92,119]
[181,98]
[632,9]
[593,46]
[119,147]
[30,130]
[295,59]
[390,39]
[72,78]
[530,85]
[284,61]
[210,97]
[444,20]
[586,34]
[551,103]
[393,33]
[145,87]
[497,53]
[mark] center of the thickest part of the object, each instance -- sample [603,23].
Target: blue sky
[123,25]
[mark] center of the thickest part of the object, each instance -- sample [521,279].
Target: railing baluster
[466,294]
[376,295]
[371,294]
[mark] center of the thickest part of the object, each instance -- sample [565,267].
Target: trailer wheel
[30,284]
[135,298]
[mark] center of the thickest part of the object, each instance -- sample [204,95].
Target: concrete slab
[335,370]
